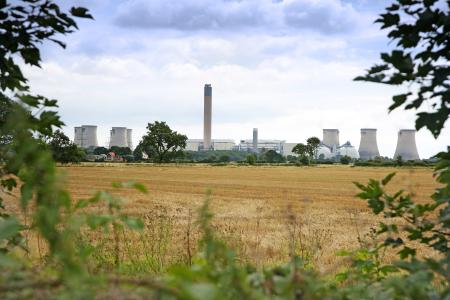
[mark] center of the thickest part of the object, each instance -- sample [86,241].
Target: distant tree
[161,143]
[121,151]
[345,160]
[251,159]
[292,158]
[224,158]
[63,150]
[271,156]
[304,160]
[313,144]
[300,149]
[100,150]
[399,160]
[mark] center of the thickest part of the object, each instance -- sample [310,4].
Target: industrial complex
[330,147]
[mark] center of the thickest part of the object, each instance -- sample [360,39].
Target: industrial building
[406,145]
[86,136]
[368,147]
[330,148]
[216,144]
[261,146]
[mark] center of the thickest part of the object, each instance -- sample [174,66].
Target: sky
[285,67]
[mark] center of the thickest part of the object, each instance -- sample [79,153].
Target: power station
[86,137]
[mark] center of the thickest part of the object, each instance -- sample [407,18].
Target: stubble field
[264,213]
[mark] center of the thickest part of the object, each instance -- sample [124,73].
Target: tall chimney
[207,112]
[255,140]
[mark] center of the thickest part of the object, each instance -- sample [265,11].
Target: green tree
[300,149]
[161,143]
[121,151]
[271,156]
[313,144]
[251,159]
[345,160]
[63,149]
[224,158]
[100,150]
[419,61]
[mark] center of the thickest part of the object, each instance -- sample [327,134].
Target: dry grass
[258,210]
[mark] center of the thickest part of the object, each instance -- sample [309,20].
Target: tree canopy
[161,143]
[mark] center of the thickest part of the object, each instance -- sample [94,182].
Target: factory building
[263,145]
[330,147]
[406,145]
[368,147]
[217,144]
[120,137]
[287,148]
[86,136]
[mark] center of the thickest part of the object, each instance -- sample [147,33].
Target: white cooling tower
[406,145]
[118,137]
[130,138]
[331,137]
[368,147]
[78,137]
[86,136]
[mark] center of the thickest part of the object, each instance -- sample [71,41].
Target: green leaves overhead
[421,32]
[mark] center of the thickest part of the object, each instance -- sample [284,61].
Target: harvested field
[263,212]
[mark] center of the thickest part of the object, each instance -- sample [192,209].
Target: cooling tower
[255,140]
[406,145]
[88,136]
[331,137]
[368,147]
[130,138]
[118,137]
[207,112]
[78,137]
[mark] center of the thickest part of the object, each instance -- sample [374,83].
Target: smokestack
[86,136]
[406,145]
[207,112]
[118,137]
[255,140]
[331,138]
[130,138]
[368,148]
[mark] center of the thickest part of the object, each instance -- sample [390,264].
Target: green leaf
[9,228]
[387,179]
[133,223]
[388,269]
[31,56]
[81,12]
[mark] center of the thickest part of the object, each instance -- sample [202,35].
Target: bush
[251,159]
[345,160]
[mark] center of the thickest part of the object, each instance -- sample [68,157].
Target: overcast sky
[285,67]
